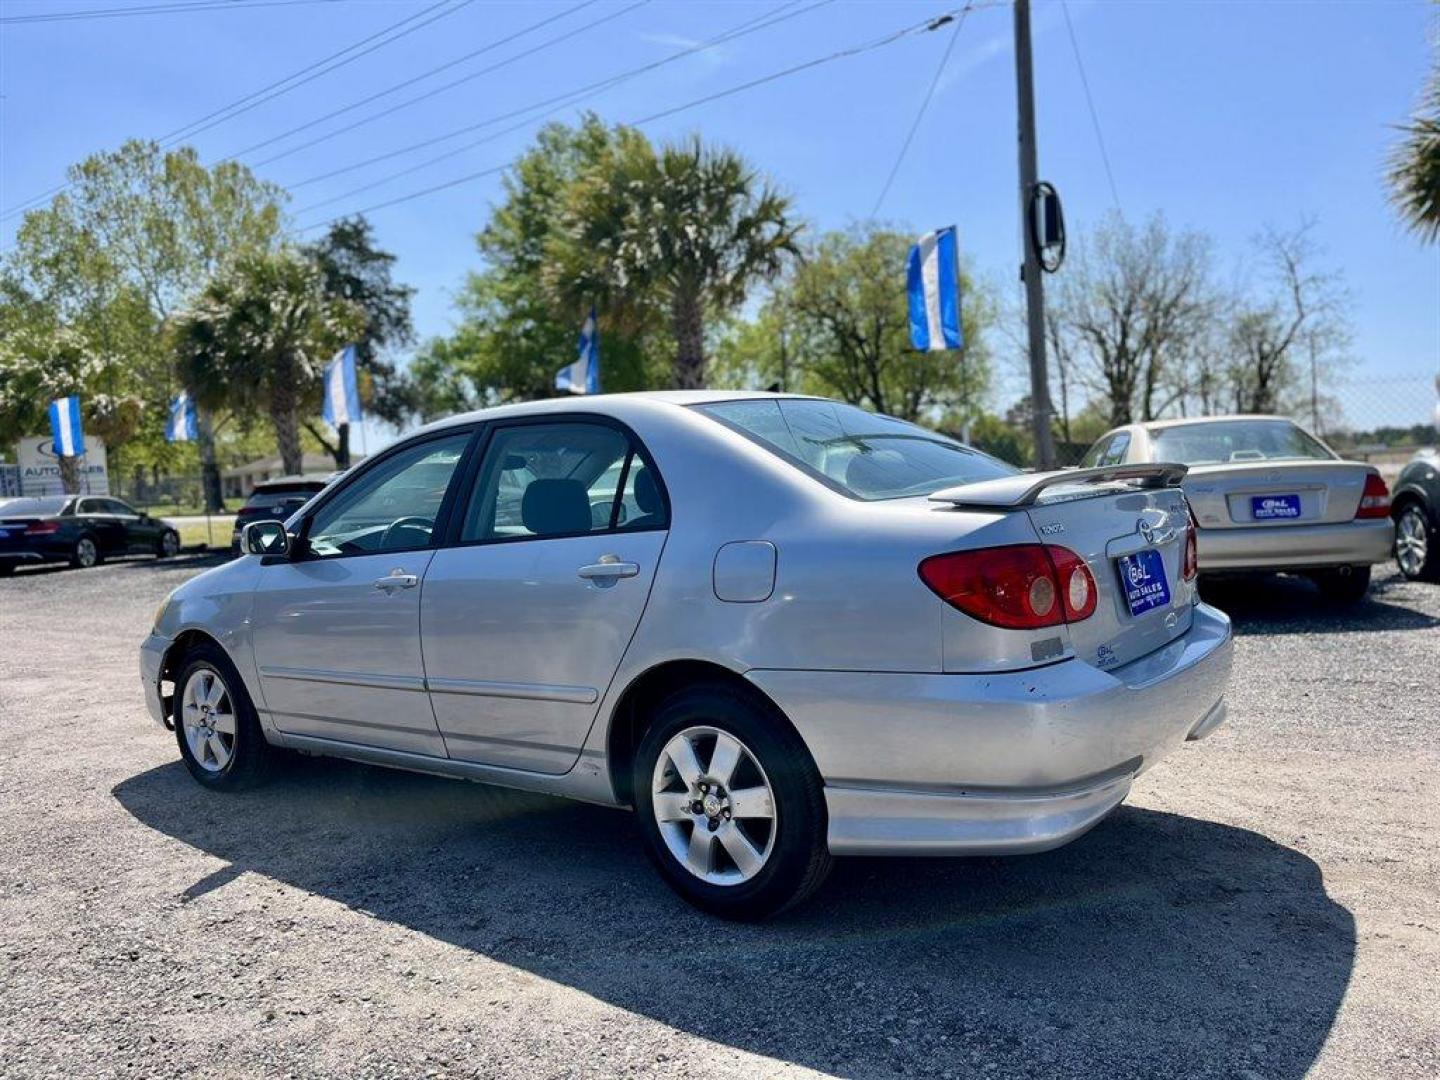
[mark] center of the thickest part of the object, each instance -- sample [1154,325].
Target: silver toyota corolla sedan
[778,627]
[1268,496]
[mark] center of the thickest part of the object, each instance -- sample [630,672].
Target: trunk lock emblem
[1155,528]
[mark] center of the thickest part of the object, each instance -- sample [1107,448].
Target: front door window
[391,508]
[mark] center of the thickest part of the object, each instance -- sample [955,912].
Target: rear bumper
[918,764]
[15,555]
[1287,547]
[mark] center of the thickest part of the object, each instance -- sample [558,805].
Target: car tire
[169,545]
[1416,551]
[86,553]
[1342,589]
[762,822]
[6,569]
[224,760]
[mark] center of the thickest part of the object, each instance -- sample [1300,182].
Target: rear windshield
[18,507]
[1224,441]
[860,454]
[290,493]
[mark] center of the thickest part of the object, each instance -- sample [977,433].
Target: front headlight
[160,612]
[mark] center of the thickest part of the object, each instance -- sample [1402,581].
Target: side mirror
[266,538]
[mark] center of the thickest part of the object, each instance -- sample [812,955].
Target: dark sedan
[275,500]
[79,529]
[1416,509]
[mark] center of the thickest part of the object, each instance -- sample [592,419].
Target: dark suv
[275,500]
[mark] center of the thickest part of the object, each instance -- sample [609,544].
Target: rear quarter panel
[847,594]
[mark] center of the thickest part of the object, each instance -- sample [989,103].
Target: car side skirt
[577,784]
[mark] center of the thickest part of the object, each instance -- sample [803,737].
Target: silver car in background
[779,628]
[1268,496]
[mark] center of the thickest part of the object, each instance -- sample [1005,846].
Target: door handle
[396,579]
[608,570]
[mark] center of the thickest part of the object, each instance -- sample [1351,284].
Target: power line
[436,90]
[854,50]
[154,9]
[564,100]
[310,72]
[295,79]
[1090,102]
[841,54]
[924,105]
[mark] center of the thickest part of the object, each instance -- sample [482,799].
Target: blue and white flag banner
[933,285]
[184,422]
[69,440]
[583,376]
[342,389]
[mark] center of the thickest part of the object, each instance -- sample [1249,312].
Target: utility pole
[1032,274]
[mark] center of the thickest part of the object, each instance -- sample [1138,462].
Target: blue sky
[1225,115]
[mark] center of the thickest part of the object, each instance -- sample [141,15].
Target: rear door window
[561,479]
[1115,452]
[1108,450]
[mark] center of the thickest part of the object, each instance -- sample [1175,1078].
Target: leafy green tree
[259,336]
[1414,170]
[41,361]
[839,325]
[692,228]
[355,270]
[515,331]
[137,232]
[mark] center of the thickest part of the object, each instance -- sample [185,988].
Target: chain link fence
[176,494]
[1383,421]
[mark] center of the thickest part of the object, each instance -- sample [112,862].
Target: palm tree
[1415,165]
[257,340]
[692,228]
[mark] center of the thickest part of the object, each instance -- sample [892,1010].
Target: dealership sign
[40,469]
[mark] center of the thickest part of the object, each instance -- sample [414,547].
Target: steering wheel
[422,522]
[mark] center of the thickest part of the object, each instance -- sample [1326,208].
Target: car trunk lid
[12,531]
[1275,494]
[1130,525]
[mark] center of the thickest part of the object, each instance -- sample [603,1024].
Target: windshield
[1224,441]
[17,507]
[860,454]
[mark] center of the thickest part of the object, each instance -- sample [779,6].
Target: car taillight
[1019,587]
[1192,549]
[1375,501]
[42,528]
[247,511]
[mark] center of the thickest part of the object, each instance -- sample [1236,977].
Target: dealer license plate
[1274,507]
[1143,576]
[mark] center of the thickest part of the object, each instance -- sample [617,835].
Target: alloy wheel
[169,545]
[208,716]
[86,553]
[1412,542]
[717,818]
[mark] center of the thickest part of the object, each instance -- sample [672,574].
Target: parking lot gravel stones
[1266,905]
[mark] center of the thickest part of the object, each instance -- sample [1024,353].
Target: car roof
[616,405]
[1185,421]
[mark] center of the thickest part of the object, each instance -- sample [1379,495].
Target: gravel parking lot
[1266,905]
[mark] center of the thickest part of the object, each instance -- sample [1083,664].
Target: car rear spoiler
[1023,489]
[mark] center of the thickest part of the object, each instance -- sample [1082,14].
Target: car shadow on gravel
[1157,945]
[1283,604]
